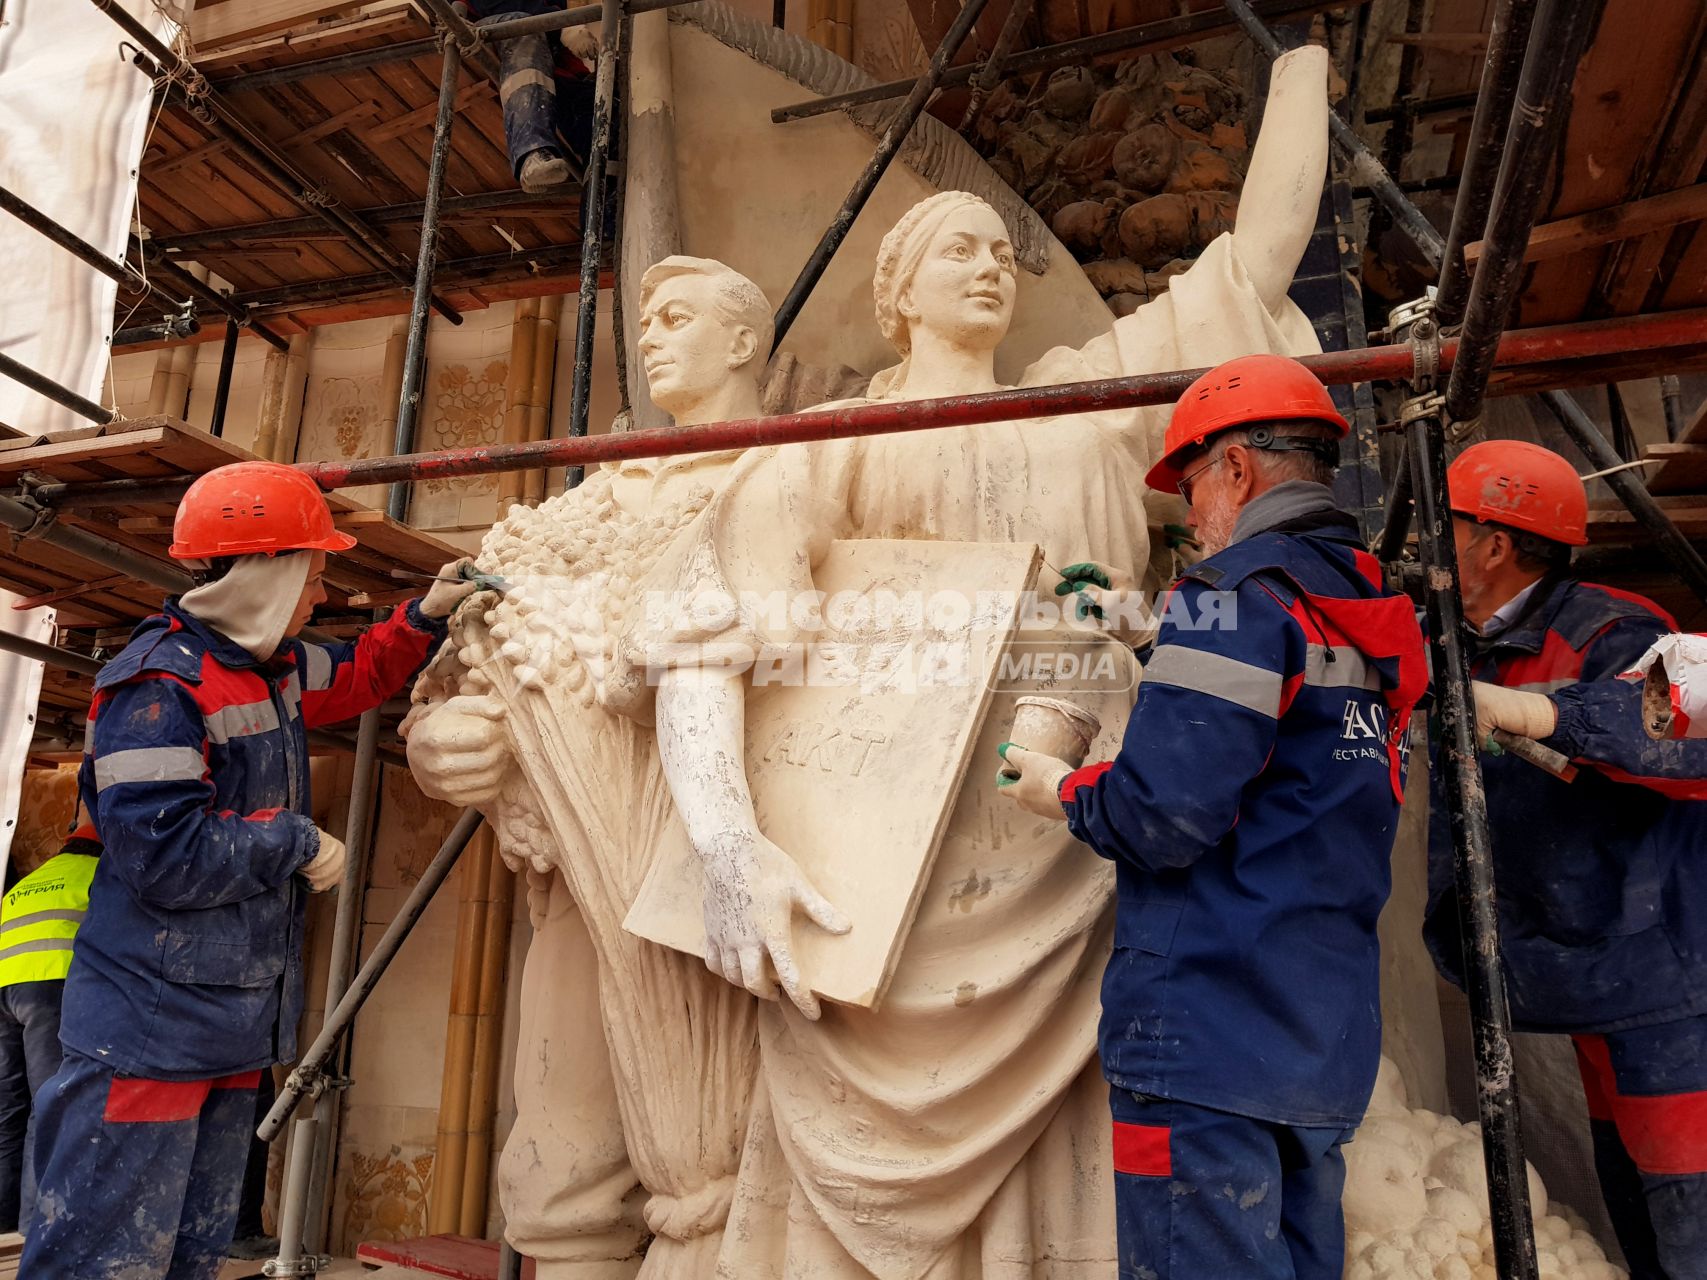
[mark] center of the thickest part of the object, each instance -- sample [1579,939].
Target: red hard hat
[254,508]
[1260,388]
[1521,486]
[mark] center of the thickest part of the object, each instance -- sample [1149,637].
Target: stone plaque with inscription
[857,740]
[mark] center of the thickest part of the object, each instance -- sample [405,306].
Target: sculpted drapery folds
[650,1078]
[957,1129]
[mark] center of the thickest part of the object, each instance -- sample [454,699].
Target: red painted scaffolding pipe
[1524,347]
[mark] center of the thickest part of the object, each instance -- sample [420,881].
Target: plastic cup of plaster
[1053,727]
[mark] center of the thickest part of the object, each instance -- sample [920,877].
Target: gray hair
[737,299]
[1280,464]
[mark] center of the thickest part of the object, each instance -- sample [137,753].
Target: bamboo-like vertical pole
[390,395]
[169,391]
[488,1046]
[518,388]
[295,393]
[444,1208]
[544,379]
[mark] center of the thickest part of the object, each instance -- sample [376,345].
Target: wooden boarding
[1682,468]
[458,1257]
[857,782]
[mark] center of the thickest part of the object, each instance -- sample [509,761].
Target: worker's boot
[544,170]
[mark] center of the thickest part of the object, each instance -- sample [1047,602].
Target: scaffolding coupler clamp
[309,1264]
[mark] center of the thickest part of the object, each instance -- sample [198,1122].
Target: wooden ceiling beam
[1608,226]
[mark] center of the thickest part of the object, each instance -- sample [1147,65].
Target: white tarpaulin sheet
[74,116]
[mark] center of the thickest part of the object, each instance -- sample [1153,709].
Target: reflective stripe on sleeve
[318,668]
[1254,688]
[1348,670]
[149,764]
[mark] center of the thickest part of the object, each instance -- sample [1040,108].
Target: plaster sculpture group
[950,1123]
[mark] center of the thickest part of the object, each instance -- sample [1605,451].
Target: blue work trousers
[538,104]
[1208,1195]
[137,1177]
[1647,1106]
[29,1055]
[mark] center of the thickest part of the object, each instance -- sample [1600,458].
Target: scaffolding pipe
[1365,169]
[1151,37]
[43,385]
[1631,490]
[990,74]
[593,229]
[307,1076]
[128,277]
[1473,867]
[414,363]
[1555,347]
[161,331]
[544,24]
[1507,39]
[190,243]
[199,289]
[887,147]
[345,939]
[222,388]
[1558,36]
[216,115]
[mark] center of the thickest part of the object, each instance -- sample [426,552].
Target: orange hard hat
[254,508]
[1260,388]
[1521,486]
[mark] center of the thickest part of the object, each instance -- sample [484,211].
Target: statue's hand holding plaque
[857,741]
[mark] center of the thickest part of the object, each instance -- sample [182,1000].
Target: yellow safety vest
[39,918]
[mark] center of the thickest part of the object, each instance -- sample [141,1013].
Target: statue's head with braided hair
[946,266]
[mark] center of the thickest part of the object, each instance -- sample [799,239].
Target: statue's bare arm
[1283,187]
[752,887]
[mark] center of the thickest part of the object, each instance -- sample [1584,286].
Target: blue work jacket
[189,963]
[1251,814]
[1601,883]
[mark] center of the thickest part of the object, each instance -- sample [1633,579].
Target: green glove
[1074,578]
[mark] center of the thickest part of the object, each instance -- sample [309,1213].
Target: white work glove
[1109,595]
[325,870]
[458,751]
[443,597]
[1528,715]
[583,42]
[1033,780]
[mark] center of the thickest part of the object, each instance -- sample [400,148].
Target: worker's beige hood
[253,603]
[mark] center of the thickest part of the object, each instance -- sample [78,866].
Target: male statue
[636,1090]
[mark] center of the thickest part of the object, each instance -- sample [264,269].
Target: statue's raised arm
[1283,186]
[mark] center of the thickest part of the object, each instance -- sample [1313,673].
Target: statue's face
[687,348]
[963,289]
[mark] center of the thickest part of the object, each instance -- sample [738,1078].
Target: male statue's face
[963,289]
[688,350]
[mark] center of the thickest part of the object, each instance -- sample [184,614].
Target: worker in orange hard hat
[1601,880]
[186,983]
[1256,795]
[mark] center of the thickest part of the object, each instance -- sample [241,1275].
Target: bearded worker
[954,1131]
[607,1019]
[186,982]
[1602,927]
[1250,816]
